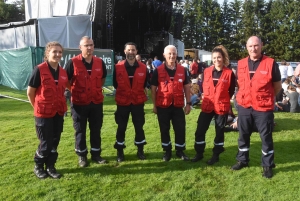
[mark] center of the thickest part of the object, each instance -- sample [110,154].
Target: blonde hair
[49,46]
[222,50]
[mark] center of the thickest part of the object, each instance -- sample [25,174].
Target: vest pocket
[264,100]
[45,108]
[98,82]
[207,105]
[223,107]
[178,100]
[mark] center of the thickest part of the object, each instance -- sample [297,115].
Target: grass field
[151,179]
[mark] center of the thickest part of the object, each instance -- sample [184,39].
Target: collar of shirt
[257,61]
[169,68]
[135,65]
[215,70]
[86,63]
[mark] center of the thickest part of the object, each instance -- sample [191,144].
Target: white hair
[169,47]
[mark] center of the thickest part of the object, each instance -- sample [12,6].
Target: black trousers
[203,123]
[81,114]
[247,118]
[48,132]
[138,120]
[177,116]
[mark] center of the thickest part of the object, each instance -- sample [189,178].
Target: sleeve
[35,79]
[147,78]
[232,85]
[104,70]
[276,76]
[154,78]
[187,77]
[69,69]
[115,84]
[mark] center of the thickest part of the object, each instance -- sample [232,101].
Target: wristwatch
[189,103]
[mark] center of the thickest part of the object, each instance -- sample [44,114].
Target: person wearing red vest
[86,74]
[46,95]
[130,80]
[194,69]
[169,85]
[259,80]
[218,88]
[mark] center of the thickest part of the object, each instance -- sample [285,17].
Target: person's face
[55,54]
[254,47]
[87,47]
[138,57]
[130,52]
[218,60]
[170,55]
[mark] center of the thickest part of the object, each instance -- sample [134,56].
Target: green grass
[151,179]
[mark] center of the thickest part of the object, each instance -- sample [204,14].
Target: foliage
[151,179]
[277,22]
[12,12]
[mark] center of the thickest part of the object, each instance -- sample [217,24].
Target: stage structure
[145,22]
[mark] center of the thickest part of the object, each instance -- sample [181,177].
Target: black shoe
[213,159]
[197,157]
[267,172]
[52,172]
[39,171]
[120,155]
[141,155]
[239,165]
[99,159]
[82,161]
[167,156]
[181,155]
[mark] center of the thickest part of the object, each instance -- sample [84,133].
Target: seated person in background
[195,92]
[231,124]
[294,81]
[292,97]
[285,84]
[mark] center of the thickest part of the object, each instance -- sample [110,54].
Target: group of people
[258,78]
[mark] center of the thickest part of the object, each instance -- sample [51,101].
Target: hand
[279,107]
[154,110]
[187,109]
[234,125]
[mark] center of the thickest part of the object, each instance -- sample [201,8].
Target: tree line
[207,24]
[14,12]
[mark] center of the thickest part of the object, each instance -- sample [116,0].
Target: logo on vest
[97,69]
[141,74]
[263,72]
[180,80]
[63,77]
[179,74]
[223,80]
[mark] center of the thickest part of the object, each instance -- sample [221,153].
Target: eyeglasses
[88,45]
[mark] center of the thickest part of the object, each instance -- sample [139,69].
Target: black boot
[120,155]
[197,157]
[51,170]
[140,153]
[167,155]
[39,171]
[213,159]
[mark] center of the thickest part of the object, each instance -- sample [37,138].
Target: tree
[12,12]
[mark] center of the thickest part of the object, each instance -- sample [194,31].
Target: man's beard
[130,56]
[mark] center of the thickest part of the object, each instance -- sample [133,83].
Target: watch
[189,103]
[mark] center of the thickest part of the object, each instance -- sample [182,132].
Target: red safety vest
[258,92]
[194,68]
[169,91]
[127,94]
[49,97]
[86,88]
[216,98]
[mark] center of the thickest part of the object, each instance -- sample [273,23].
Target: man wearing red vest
[218,88]
[169,85]
[259,80]
[194,69]
[130,80]
[87,74]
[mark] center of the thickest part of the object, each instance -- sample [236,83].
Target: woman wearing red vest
[46,95]
[218,88]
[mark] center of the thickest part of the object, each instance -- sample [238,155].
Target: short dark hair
[130,43]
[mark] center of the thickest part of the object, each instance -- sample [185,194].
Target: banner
[106,55]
